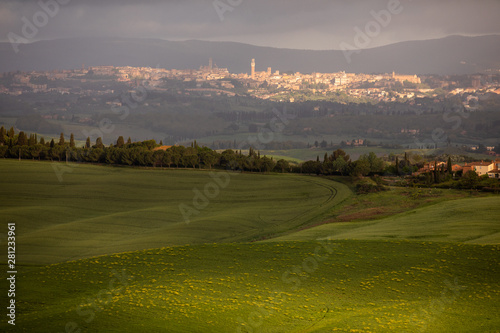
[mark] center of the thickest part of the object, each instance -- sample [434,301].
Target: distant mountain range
[450,55]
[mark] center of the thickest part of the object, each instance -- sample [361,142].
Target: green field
[344,286]
[99,210]
[473,221]
[354,152]
[106,249]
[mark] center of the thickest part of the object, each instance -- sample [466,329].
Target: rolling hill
[450,55]
[334,286]
[471,221]
[103,210]
[123,260]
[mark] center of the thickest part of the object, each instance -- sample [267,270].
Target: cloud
[317,24]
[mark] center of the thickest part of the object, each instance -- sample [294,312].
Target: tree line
[150,154]
[125,152]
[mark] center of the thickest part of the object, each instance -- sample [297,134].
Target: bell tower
[253,69]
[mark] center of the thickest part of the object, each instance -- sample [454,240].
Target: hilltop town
[272,85]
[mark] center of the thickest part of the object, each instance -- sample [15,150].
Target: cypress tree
[11,132]
[129,141]
[449,166]
[72,141]
[98,143]
[42,141]
[61,139]
[3,133]
[120,142]
[22,140]
[428,179]
[436,175]
[87,143]
[52,143]
[397,165]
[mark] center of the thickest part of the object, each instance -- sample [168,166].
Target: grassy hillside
[103,210]
[343,286]
[473,220]
[425,262]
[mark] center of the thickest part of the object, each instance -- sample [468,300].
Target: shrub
[365,188]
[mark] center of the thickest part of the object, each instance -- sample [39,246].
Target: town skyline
[262,82]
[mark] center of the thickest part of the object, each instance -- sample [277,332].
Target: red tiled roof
[162,148]
[480,163]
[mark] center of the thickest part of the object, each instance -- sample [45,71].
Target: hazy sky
[312,24]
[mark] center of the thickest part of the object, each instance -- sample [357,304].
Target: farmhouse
[484,168]
[481,168]
[162,148]
[430,167]
[494,172]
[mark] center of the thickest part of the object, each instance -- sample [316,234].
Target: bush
[365,188]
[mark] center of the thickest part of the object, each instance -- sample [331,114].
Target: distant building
[162,148]
[252,75]
[494,172]
[342,79]
[483,168]
[410,78]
